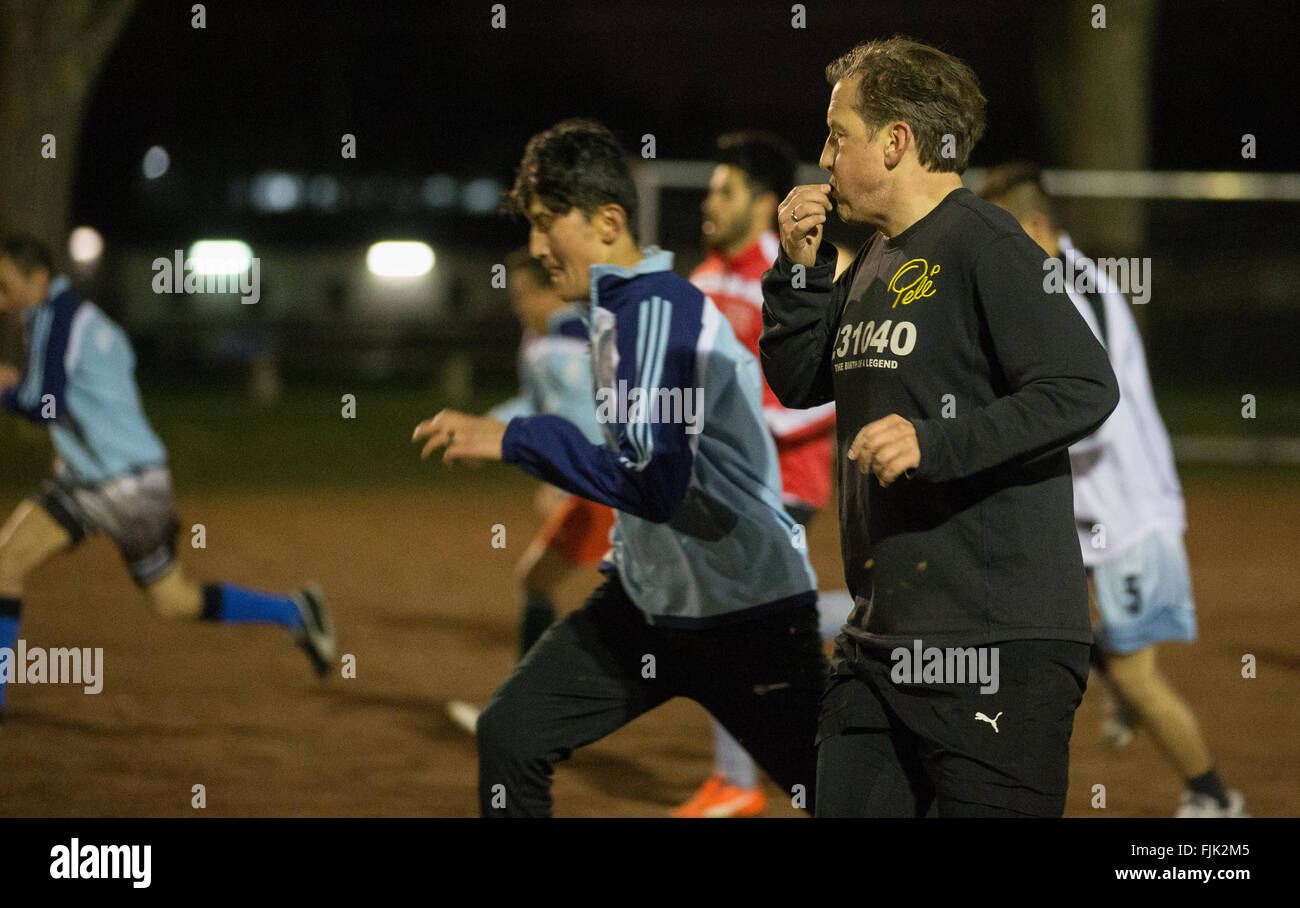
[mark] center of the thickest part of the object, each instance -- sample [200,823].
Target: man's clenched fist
[887,447]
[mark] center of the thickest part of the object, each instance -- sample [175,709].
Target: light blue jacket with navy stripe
[80,381]
[555,375]
[701,537]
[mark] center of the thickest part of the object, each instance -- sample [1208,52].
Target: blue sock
[9,609]
[231,604]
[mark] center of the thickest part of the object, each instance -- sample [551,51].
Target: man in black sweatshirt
[959,382]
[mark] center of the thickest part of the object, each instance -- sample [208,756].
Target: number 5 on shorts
[1134,605]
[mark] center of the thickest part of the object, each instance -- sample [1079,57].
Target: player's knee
[490,730]
[499,734]
[172,603]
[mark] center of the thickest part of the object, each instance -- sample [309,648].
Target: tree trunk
[50,54]
[1096,88]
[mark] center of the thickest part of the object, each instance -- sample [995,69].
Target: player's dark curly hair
[27,253]
[577,163]
[765,159]
[932,92]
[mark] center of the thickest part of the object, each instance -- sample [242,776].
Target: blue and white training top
[555,375]
[80,381]
[687,459]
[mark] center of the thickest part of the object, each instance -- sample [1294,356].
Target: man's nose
[537,245]
[827,160]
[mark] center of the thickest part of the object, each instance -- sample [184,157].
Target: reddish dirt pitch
[425,604]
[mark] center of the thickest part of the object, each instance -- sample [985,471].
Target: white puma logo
[994,721]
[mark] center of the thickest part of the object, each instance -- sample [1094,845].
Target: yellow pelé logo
[912,282]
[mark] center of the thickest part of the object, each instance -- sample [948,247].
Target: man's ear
[898,138]
[611,222]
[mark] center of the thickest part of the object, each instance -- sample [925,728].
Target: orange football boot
[718,798]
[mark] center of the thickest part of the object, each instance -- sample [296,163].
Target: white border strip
[1234,449]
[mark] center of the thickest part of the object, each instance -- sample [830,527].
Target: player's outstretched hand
[9,376]
[473,439]
[887,448]
[800,218]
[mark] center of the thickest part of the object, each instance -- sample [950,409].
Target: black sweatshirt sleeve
[798,328]
[1062,385]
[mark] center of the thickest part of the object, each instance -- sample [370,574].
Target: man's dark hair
[765,159]
[522,260]
[1017,186]
[27,253]
[934,93]
[579,164]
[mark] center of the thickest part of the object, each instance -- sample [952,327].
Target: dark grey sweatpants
[589,675]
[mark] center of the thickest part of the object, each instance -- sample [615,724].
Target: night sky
[431,88]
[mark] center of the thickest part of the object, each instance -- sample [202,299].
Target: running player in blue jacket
[708,591]
[111,473]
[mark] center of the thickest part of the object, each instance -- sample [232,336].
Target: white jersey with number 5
[1125,483]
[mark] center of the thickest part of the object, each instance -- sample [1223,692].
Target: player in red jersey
[754,172]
